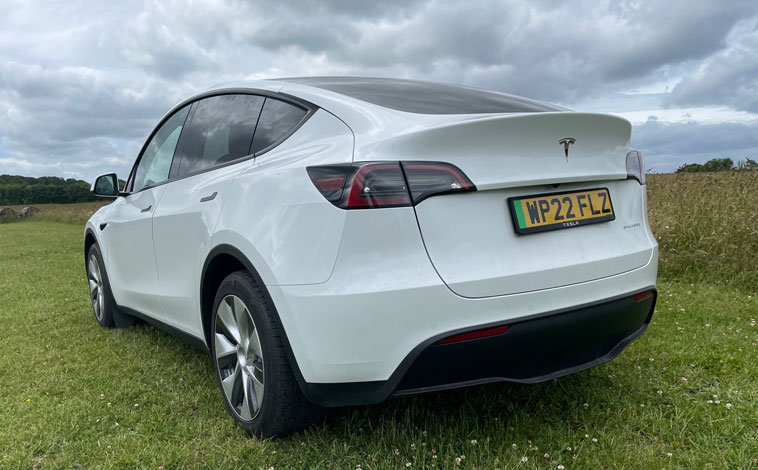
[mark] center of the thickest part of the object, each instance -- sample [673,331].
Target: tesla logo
[566,142]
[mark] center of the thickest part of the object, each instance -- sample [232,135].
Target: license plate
[543,212]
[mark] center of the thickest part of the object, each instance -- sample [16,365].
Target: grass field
[685,395]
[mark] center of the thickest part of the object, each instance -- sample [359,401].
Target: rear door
[128,233]
[215,146]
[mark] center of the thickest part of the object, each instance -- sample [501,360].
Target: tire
[250,360]
[104,307]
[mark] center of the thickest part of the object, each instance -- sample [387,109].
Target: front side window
[277,120]
[221,130]
[154,166]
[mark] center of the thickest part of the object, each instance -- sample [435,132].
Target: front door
[129,231]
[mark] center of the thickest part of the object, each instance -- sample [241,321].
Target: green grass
[707,226]
[68,388]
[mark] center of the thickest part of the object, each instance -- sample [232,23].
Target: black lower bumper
[533,350]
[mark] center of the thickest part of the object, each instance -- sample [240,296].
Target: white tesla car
[340,241]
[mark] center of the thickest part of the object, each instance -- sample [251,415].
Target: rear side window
[277,120]
[220,131]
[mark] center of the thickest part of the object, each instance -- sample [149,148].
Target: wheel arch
[221,261]
[89,240]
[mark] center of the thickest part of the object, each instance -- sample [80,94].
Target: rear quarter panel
[276,216]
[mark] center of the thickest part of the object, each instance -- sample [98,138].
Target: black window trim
[309,108]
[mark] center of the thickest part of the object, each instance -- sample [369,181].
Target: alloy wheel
[239,357]
[96,287]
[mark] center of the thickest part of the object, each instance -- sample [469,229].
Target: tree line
[718,164]
[18,190]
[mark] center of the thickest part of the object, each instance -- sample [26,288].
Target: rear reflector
[643,295]
[498,330]
[387,184]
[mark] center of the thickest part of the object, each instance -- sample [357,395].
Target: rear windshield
[425,97]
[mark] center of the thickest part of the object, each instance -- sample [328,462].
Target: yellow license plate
[542,212]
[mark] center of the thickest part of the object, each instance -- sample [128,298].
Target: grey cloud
[68,119]
[667,145]
[729,77]
[82,84]
[572,50]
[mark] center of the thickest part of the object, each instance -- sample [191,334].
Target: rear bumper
[534,349]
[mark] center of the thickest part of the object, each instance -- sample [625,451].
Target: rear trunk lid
[470,237]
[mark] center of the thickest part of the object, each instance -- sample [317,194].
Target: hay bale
[29,211]
[7,212]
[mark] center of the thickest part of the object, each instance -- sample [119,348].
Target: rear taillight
[387,184]
[635,167]
[432,179]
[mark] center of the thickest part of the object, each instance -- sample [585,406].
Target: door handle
[209,198]
[147,209]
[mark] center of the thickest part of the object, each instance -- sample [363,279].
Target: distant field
[71,213]
[707,226]
[685,395]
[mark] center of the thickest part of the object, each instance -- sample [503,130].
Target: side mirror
[106,186]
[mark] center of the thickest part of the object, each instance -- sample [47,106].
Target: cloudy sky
[83,83]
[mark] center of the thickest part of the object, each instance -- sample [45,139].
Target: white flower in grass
[728,406]
[560,467]
[547,456]
[407,464]
[474,442]
[684,380]
[524,459]
[568,449]
[457,460]
[586,405]
[669,454]
[514,446]
[594,439]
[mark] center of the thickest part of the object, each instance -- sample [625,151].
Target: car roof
[423,97]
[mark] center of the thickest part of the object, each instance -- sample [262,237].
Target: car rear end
[508,247]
